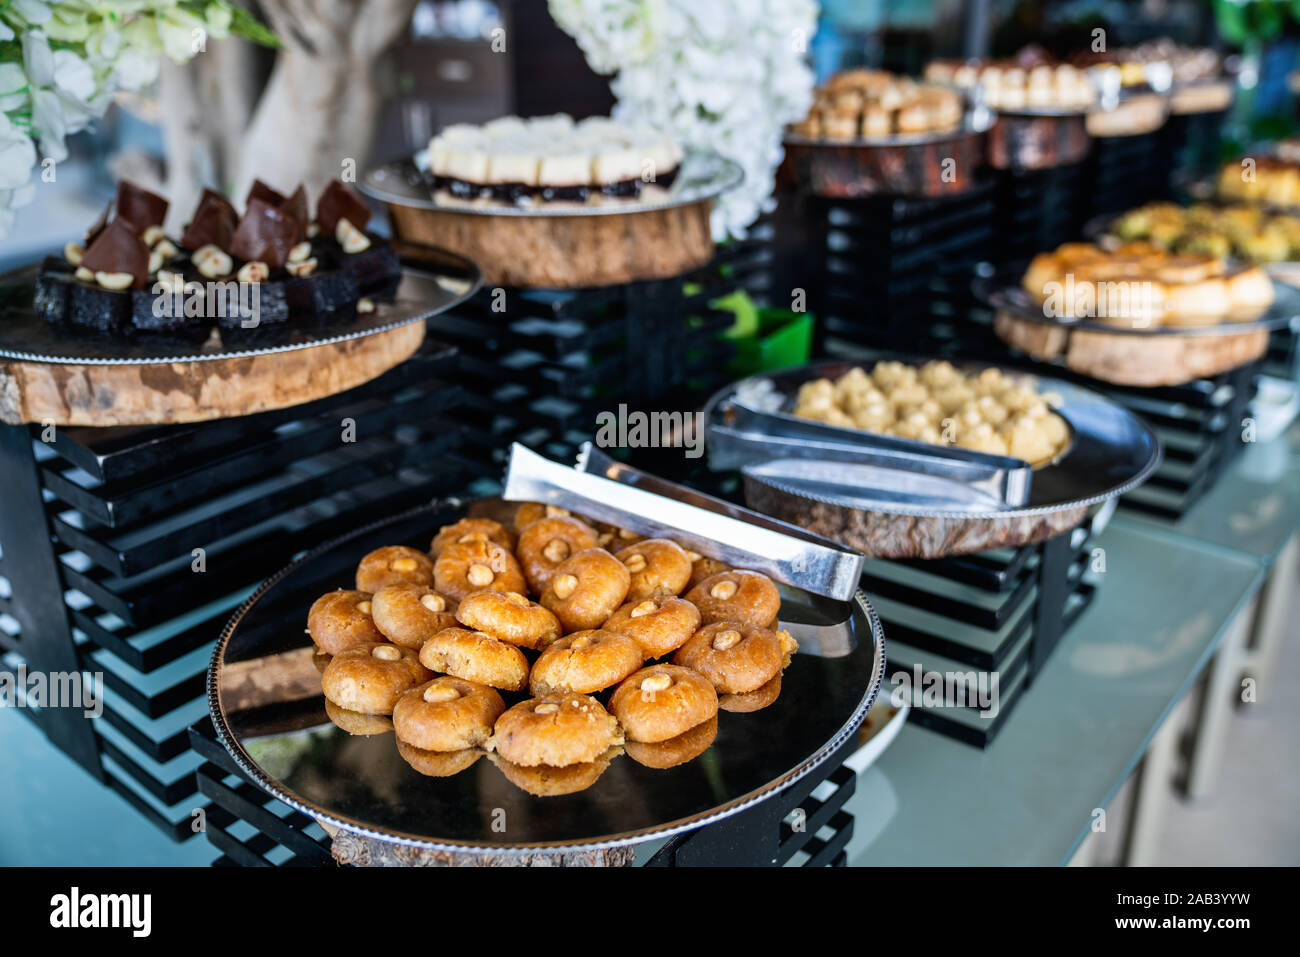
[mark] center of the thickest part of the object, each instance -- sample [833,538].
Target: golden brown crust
[530,512]
[549,542]
[612,537]
[659,625]
[469,530]
[394,565]
[510,617]
[687,746]
[340,620]
[658,567]
[543,780]
[556,730]
[465,567]
[354,722]
[447,714]
[737,595]
[475,656]
[437,764]
[736,657]
[586,589]
[755,700]
[661,702]
[703,567]
[583,662]
[369,678]
[409,615]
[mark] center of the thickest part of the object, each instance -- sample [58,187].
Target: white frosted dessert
[551,159]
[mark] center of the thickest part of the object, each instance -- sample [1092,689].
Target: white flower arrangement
[61,61]
[719,76]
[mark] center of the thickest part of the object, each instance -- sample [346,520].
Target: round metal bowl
[1111,452]
[264,695]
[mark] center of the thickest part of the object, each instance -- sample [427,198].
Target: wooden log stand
[168,393]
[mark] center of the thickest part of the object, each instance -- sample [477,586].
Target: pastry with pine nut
[703,567]
[465,567]
[447,714]
[736,595]
[437,764]
[612,537]
[544,780]
[471,530]
[510,617]
[583,662]
[555,730]
[735,657]
[530,512]
[355,722]
[659,625]
[394,565]
[549,542]
[475,656]
[338,620]
[658,567]
[662,701]
[756,700]
[586,589]
[687,746]
[409,615]
[370,677]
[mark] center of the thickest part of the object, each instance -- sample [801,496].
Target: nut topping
[656,682]
[480,575]
[350,238]
[693,556]
[726,640]
[554,511]
[253,272]
[584,641]
[435,693]
[472,537]
[305,268]
[363,607]
[546,707]
[387,653]
[643,609]
[116,281]
[723,590]
[434,602]
[73,253]
[564,586]
[556,550]
[365,305]
[300,253]
[211,261]
[516,599]
[153,235]
[404,564]
[84,274]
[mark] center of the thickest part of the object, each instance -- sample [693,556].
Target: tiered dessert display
[245,312]
[552,688]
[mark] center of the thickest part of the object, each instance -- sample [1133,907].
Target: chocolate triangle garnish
[265,234]
[139,207]
[118,248]
[339,202]
[213,223]
[296,206]
[266,194]
[98,226]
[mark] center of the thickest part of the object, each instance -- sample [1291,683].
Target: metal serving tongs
[817,457]
[609,491]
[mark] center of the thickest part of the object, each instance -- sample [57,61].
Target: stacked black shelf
[1126,171]
[1038,209]
[126,548]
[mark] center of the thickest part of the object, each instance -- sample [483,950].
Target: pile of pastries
[551,159]
[1263,179]
[873,103]
[551,646]
[1033,79]
[938,403]
[1139,285]
[1241,231]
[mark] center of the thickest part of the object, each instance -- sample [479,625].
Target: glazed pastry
[475,656]
[755,700]
[369,678]
[662,702]
[471,530]
[586,589]
[583,662]
[611,537]
[556,730]
[510,617]
[437,764]
[548,542]
[737,595]
[394,565]
[658,566]
[465,567]
[354,722]
[873,103]
[409,615]
[659,625]
[530,512]
[543,780]
[687,746]
[736,658]
[340,620]
[703,567]
[447,714]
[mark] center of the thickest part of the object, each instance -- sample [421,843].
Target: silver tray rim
[420,313]
[1028,511]
[728,174]
[227,738]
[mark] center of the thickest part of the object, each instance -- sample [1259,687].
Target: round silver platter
[1111,451]
[444,280]
[280,735]
[701,176]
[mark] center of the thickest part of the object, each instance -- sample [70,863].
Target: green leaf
[1230,19]
[244,24]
